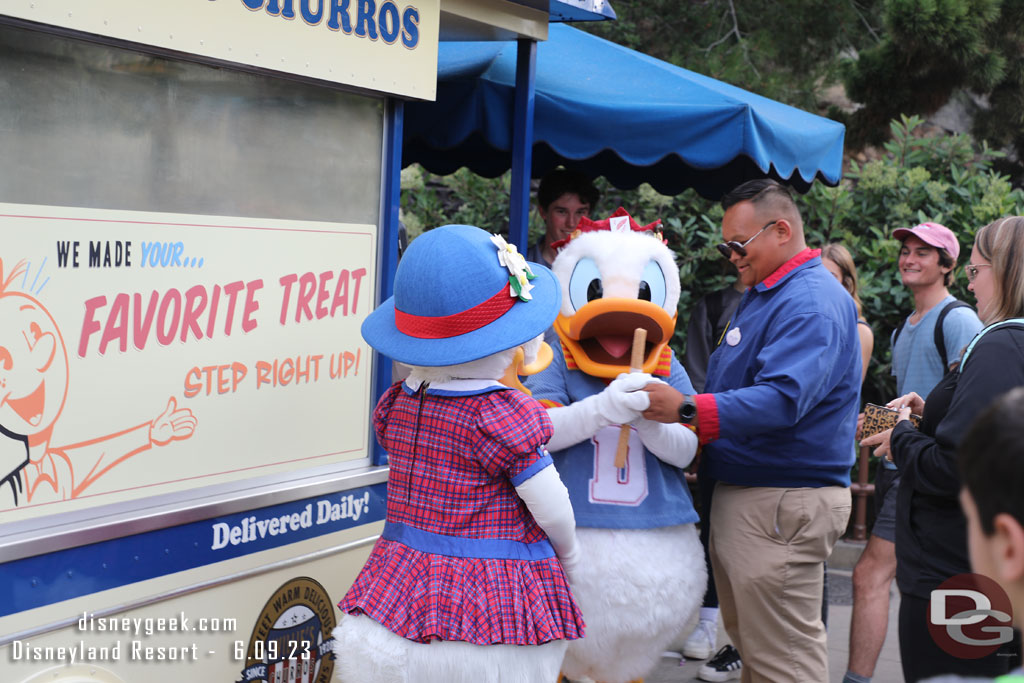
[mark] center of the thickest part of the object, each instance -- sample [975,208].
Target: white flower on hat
[519,280]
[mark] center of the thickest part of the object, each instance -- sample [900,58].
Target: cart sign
[291,641]
[152,353]
[383,45]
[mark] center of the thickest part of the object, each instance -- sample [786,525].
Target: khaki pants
[768,548]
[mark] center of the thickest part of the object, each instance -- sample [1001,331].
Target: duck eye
[585,283]
[6,362]
[652,284]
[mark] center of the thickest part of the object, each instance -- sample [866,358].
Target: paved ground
[670,670]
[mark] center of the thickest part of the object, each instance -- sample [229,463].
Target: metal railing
[861,491]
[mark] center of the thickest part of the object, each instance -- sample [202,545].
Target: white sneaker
[701,643]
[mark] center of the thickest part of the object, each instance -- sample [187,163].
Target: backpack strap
[1016,322]
[940,337]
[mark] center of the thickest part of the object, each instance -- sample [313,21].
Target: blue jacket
[784,386]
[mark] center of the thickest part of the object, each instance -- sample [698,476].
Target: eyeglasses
[727,248]
[972,270]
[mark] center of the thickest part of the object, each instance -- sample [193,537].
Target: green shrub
[947,179]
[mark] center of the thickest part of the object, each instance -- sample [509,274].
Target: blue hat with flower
[461,294]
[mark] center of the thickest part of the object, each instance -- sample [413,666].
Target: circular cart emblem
[291,641]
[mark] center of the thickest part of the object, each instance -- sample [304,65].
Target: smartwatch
[687,410]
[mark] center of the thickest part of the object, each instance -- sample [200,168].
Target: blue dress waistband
[459,546]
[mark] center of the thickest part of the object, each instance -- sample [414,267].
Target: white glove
[621,402]
[671,443]
[548,501]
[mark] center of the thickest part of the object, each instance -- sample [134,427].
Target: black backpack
[940,337]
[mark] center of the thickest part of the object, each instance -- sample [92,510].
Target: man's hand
[665,402]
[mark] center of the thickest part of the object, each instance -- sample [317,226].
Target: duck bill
[520,368]
[600,335]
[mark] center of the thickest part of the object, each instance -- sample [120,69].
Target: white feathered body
[637,590]
[366,652]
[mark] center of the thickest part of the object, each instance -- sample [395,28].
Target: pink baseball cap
[933,234]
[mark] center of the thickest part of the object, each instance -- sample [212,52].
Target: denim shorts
[887,483]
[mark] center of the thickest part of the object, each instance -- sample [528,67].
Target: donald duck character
[641,573]
[467,582]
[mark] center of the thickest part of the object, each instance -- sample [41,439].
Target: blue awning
[614,112]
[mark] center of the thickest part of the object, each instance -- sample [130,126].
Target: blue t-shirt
[535,253]
[916,363]
[646,494]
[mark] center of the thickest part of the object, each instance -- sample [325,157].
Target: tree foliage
[930,49]
[787,50]
[893,56]
[947,179]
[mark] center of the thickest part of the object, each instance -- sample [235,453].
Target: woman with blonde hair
[931,531]
[837,260]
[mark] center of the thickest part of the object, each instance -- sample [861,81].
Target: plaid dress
[461,557]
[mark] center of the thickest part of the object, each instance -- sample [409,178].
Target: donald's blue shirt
[647,493]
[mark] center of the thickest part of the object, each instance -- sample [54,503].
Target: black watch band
[687,410]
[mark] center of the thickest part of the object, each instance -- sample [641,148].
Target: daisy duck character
[641,574]
[468,579]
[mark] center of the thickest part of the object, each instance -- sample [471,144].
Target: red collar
[789,266]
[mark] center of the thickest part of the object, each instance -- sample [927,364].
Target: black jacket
[931,531]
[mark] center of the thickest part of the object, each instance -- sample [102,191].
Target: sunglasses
[727,248]
[972,270]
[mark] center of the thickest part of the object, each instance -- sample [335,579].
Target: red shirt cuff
[707,418]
